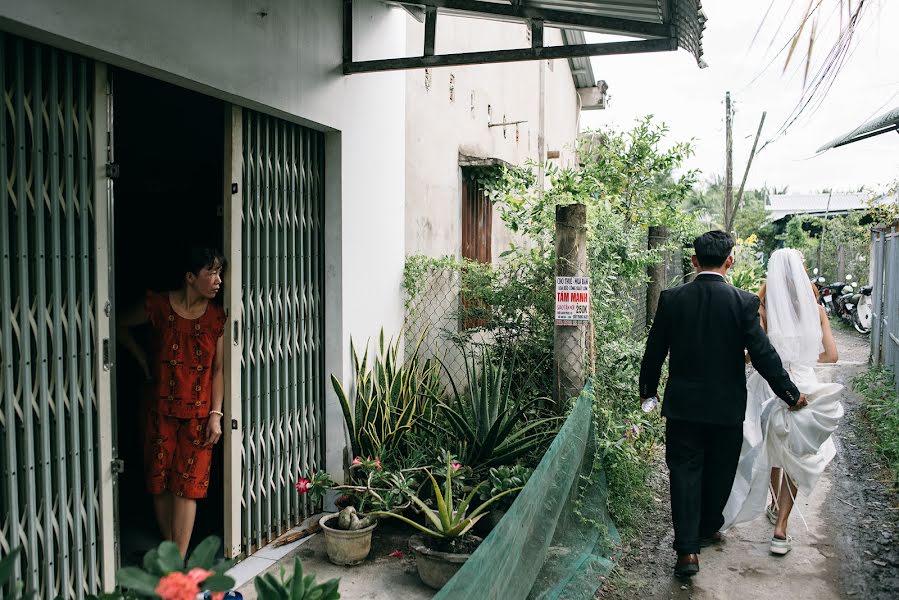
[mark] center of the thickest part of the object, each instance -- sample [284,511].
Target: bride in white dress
[783,450]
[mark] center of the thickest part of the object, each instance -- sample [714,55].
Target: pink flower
[198,575]
[303,485]
[456,465]
[356,462]
[177,586]
[378,463]
[396,554]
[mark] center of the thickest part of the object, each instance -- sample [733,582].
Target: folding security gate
[282,362]
[55,486]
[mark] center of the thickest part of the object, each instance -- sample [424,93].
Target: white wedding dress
[798,441]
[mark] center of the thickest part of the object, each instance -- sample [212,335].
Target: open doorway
[168,143]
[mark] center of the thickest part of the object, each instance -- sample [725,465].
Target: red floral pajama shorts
[176,459]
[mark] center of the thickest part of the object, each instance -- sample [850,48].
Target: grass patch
[882,410]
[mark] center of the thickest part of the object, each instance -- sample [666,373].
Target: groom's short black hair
[713,248]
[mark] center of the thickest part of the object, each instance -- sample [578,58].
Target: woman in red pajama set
[184,406]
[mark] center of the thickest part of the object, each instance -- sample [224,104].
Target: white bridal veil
[791,309]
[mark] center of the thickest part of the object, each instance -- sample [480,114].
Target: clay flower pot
[435,568]
[346,548]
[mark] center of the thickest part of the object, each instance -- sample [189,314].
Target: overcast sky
[691,100]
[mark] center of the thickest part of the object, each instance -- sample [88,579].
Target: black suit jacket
[705,326]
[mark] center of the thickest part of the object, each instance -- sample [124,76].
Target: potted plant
[500,480]
[348,533]
[447,543]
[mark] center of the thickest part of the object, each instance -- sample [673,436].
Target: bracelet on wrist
[217,412]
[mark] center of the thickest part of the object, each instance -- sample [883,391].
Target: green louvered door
[54,487]
[282,366]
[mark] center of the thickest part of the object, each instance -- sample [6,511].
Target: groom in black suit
[704,327]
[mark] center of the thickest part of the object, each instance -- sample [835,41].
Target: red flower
[378,463]
[177,586]
[396,554]
[456,465]
[357,461]
[198,575]
[303,485]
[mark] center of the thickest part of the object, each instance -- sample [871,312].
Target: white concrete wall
[286,63]
[447,113]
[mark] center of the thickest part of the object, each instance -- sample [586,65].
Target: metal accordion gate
[51,479]
[282,362]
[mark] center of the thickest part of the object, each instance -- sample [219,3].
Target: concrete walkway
[380,577]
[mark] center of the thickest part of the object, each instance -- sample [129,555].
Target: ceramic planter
[346,548]
[435,568]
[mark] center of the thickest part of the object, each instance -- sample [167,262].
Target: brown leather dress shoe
[687,565]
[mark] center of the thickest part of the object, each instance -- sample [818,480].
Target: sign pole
[572,303]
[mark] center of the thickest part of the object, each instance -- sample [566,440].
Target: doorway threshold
[268,556]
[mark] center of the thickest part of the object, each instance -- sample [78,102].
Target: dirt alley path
[848,551]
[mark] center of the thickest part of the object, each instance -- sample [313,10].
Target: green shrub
[882,410]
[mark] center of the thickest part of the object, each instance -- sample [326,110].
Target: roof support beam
[430,29]
[347,31]
[553,18]
[536,33]
[499,56]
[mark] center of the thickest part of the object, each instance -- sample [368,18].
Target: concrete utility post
[658,237]
[569,361]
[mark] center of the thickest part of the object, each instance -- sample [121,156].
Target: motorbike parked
[860,307]
[841,299]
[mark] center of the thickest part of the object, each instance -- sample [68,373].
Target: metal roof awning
[882,124]
[657,25]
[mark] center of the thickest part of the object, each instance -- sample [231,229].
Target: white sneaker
[781,547]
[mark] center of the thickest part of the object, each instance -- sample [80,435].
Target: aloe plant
[449,521]
[295,586]
[389,398]
[491,425]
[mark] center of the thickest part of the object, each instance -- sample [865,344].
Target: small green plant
[882,410]
[6,570]
[449,521]
[487,421]
[389,398]
[504,479]
[295,586]
[372,486]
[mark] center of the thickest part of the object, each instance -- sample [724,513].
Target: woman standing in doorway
[184,405]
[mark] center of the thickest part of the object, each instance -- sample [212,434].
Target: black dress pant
[702,462]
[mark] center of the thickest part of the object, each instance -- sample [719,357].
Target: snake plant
[389,396]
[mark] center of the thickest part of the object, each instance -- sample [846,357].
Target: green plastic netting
[555,541]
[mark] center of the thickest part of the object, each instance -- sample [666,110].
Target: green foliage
[371,486]
[389,397]
[877,385]
[748,272]
[487,422]
[161,562]
[844,243]
[505,479]
[6,571]
[450,520]
[295,586]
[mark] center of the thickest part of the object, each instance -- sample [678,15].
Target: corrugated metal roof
[882,124]
[782,205]
[687,19]
[581,67]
